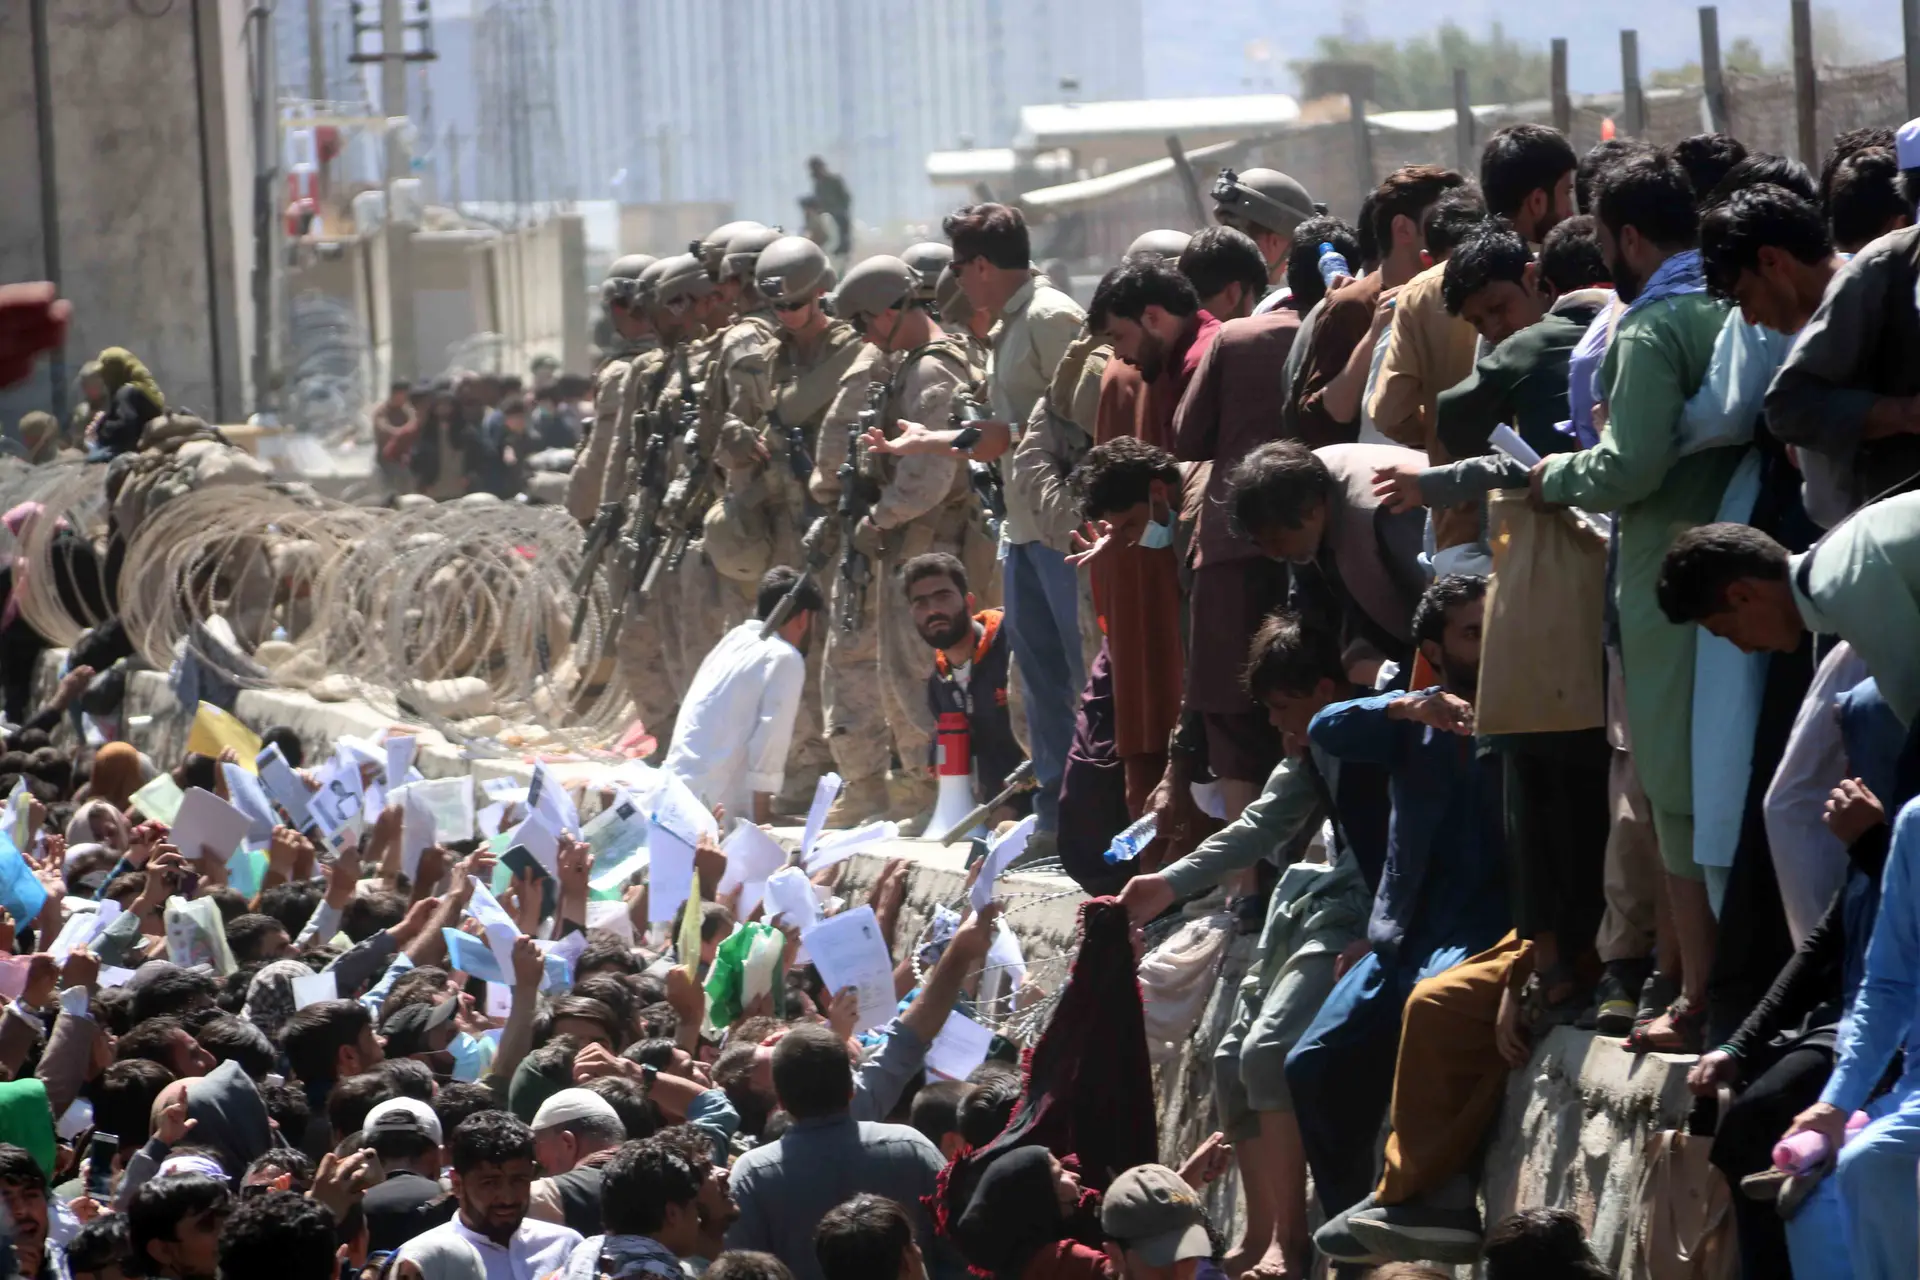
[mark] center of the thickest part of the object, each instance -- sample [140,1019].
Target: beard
[943,631]
[1627,282]
[1152,359]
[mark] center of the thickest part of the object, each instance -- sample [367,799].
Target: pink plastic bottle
[1808,1150]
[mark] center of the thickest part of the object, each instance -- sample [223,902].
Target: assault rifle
[816,548]
[856,500]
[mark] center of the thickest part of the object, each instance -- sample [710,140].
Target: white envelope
[838,846]
[999,856]
[400,752]
[208,823]
[678,810]
[314,988]
[960,1047]
[752,855]
[669,874]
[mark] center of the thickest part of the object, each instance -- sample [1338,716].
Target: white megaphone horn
[955,773]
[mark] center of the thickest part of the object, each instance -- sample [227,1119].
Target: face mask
[1157,536]
[471,1056]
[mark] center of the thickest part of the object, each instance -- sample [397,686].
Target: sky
[1193,58]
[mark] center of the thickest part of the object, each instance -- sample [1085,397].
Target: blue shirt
[1886,1008]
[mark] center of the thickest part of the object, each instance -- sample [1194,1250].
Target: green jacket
[1522,382]
[1657,361]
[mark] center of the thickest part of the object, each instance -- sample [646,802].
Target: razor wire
[328,357]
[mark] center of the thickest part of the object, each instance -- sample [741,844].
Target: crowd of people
[1504,607]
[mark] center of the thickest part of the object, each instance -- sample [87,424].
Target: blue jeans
[1043,613]
[1341,1069]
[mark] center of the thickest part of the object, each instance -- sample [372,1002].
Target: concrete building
[125,136]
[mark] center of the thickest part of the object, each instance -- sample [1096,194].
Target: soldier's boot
[911,796]
[859,801]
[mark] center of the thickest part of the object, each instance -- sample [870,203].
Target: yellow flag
[214,730]
[689,940]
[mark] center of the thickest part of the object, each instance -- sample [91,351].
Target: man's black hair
[639,1115]
[985,1112]
[747,1264]
[616,995]
[1441,596]
[100,1244]
[159,1207]
[231,902]
[368,913]
[1540,1244]
[1765,166]
[152,1040]
[1852,142]
[123,1098]
[489,1137]
[287,1107]
[1599,158]
[868,1236]
[774,585]
[934,564]
[1865,197]
[1754,218]
[455,1102]
[408,1077]
[349,1101]
[657,1051]
[1218,256]
[1707,559]
[172,991]
[1493,254]
[19,1169]
[1290,656]
[1126,292]
[1707,158]
[1117,475]
[291,904]
[936,1109]
[199,771]
[281,1234]
[288,741]
[1455,217]
[1366,234]
[295,1163]
[1520,160]
[1651,194]
[1303,258]
[313,1037]
[1277,486]
[612,954]
[996,232]
[1570,256]
[231,1039]
[1409,192]
[812,1074]
[640,1181]
[248,935]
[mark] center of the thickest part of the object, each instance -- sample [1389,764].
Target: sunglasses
[677,305]
[791,306]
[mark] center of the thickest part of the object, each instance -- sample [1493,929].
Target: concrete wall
[538,300]
[664,229]
[148,144]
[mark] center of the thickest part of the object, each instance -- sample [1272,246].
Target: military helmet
[622,284]
[1265,198]
[1164,245]
[927,259]
[881,283]
[681,276]
[743,250]
[790,268]
[950,301]
[713,245]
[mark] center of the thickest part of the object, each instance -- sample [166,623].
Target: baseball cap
[406,1029]
[1151,1211]
[402,1115]
[569,1105]
[1906,144]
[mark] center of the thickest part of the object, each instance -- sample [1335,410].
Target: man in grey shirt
[825,1158]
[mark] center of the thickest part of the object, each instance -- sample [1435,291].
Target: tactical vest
[801,396]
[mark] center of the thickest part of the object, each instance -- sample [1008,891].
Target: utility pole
[316,51]
[393,57]
[393,89]
[266,172]
[1633,106]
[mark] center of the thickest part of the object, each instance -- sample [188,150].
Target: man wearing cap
[1156,1228]
[405,1134]
[1267,205]
[575,1132]
[423,1031]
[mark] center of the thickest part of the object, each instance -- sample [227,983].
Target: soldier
[1267,205]
[721,308]
[632,328]
[910,506]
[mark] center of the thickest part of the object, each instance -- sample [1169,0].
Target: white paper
[335,807]
[360,751]
[400,751]
[284,787]
[676,809]
[417,832]
[82,927]
[611,916]
[752,855]
[251,799]
[546,797]
[314,988]
[208,826]
[560,957]
[496,924]
[1004,959]
[790,894]
[451,800]
[838,846]
[17,817]
[75,1120]
[504,789]
[541,839]
[825,792]
[471,956]
[669,874]
[1509,442]
[614,833]
[114,976]
[499,1000]
[617,875]
[752,894]
[999,856]
[849,951]
[761,969]
[960,1047]
[196,934]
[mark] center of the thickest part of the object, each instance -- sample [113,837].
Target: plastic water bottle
[1332,263]
[1127,845]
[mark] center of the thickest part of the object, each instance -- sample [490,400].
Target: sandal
[1684,1031]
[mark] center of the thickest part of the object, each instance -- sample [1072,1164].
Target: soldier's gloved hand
[868,538]
[739,447]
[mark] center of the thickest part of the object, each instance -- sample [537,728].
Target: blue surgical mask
[1157,536]
[471,1056]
